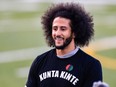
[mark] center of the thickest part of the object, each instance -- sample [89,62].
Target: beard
[65,44]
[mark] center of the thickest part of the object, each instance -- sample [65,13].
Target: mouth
[58,38]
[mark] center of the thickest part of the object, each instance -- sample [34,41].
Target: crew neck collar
[73,52]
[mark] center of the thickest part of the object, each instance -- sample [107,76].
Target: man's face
[61,32]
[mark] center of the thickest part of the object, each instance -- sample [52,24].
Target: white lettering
[55,73]
[65,75]
[48,74]
[73,77]
[62,74]
[44,75]
[75,81]
[41,78]
[69,76]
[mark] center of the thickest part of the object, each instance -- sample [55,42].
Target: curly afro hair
[81,22]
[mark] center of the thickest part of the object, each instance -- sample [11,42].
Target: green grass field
[22,30]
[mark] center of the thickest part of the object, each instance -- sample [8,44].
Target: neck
[66,50]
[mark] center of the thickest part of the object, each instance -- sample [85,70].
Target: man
[67,26]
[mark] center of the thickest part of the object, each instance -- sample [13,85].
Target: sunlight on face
[61,32]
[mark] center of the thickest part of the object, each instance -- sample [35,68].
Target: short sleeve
[94,73]
[32,79]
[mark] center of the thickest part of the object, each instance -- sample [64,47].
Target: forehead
[61,21]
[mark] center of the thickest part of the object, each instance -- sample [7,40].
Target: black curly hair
[81,22]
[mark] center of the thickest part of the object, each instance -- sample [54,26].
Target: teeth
[58,38]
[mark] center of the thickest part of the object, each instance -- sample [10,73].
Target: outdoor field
[22,39]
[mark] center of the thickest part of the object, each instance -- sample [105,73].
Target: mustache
[59,37]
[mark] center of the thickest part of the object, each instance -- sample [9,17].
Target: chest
[61,72]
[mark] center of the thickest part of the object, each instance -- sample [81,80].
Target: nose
[58,32]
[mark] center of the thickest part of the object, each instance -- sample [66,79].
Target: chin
[60,47]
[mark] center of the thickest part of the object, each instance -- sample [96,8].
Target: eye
[63,28]
[54,28]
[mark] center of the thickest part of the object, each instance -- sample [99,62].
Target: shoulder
[88,58]
[91,63]
[39,61]
[43,56]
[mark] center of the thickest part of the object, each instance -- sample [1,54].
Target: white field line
[99,2]
[30,53]
[9,22]
[22,72]
[22,54]
[102,44]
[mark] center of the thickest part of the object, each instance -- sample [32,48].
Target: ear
[73,35]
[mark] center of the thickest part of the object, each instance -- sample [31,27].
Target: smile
[59,38]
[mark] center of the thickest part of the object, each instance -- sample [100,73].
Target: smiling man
[62,34]
[67,27]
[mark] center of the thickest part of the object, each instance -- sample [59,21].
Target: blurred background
[22,39]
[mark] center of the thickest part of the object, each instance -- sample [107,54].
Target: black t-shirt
[79,70]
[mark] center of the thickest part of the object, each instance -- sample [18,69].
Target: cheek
[53,34]
[68,34]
